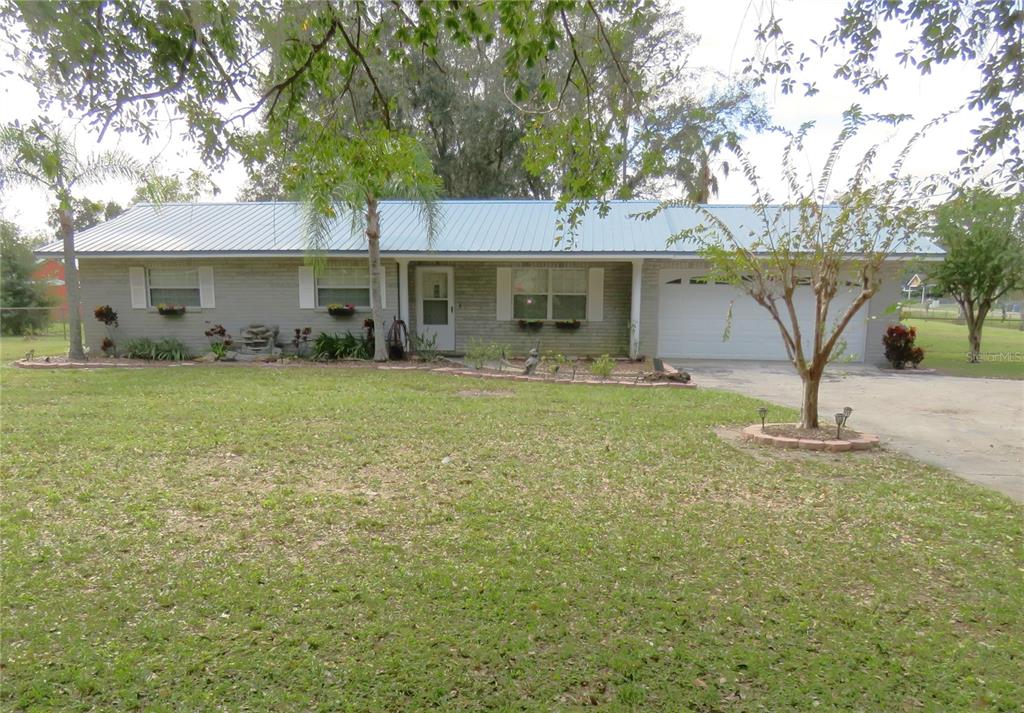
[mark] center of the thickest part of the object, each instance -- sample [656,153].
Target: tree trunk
[809,406]
[380,347]
[67,231]
[974,339]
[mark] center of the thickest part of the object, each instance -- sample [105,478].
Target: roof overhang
[427,255]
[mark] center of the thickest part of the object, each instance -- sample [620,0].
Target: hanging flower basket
[341,310]
[170,310]
[568,324]
[532,324]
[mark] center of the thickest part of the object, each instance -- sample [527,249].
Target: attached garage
[694,321]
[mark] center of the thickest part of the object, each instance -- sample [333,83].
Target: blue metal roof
[467,226]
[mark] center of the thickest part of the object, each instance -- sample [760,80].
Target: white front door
[435,305]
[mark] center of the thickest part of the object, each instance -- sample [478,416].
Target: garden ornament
[532,361]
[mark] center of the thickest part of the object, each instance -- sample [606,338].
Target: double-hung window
[174,286]
[343,286]
[542,293]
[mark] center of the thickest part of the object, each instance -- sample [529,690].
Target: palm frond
[107,165]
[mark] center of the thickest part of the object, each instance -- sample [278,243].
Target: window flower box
[531,324]
[346,310]
[568,323]
[170,310]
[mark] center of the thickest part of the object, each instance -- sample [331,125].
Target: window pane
[435,311]
[530,282]
[530,306]
[344,277]
[572,282]
[169,277]
[435,285]
[174,296]
[569,307]
[358,296]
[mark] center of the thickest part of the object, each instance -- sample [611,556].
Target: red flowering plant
[220,340]
[107,315]
[899,346]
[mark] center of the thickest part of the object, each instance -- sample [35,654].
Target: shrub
[106,314]
[107,346]
[300,338]
[342,346]
[479,352]
[163,350]
[425,347]
[899,346]
[172,350]
[141,348]
[554,362]
[603,366]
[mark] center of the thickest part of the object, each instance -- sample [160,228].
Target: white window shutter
[595,294]
[307,288]
[206,296]
[137,283]
[504,294]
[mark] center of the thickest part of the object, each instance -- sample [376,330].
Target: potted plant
[336,310]
[170,310]
[568,324]
[532,324]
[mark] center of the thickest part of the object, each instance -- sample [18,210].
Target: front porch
[523,304]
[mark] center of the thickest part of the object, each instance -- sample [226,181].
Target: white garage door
[693,314]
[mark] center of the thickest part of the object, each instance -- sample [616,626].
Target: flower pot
[341,310]
[531,324]
[568,324]
[171,310]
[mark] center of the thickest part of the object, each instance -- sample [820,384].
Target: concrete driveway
[973,427]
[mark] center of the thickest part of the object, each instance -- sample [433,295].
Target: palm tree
[375,165]
[43,156]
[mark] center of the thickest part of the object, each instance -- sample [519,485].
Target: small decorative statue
[532,361]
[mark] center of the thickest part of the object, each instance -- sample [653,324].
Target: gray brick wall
[247,291]
[476,300]
[266,290]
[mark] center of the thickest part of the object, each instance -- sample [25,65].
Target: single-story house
[492,265]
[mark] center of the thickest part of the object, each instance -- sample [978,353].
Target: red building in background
[51,273]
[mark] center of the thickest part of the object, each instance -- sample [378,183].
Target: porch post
[403,291]
[634,309]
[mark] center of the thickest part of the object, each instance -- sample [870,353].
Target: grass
[12,348]
[285,538]
[945,348]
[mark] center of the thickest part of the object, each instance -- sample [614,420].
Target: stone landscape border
[453,371]
[583,381]
[861,442]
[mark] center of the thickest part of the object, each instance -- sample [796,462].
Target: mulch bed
[793,430]
[626,372]
[790,435]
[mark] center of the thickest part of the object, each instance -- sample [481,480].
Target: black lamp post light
[763,413]
[841,418]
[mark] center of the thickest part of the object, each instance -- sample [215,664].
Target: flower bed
[790,435]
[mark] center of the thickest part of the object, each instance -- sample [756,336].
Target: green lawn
[945,348]
[12,348]
[302,538]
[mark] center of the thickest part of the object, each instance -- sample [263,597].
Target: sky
[726,30]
